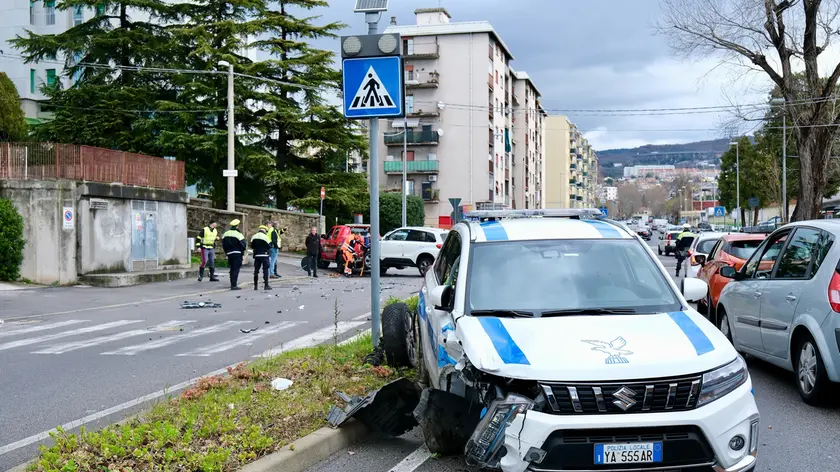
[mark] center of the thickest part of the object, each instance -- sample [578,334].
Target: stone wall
[200,212]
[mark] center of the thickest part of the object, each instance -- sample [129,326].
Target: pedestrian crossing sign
[373,87]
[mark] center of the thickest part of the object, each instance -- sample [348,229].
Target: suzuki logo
[624,398]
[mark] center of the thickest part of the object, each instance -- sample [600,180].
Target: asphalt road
[794,437]
[84,355]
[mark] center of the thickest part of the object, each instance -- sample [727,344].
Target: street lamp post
[231,167]
[404,169]
[737,174]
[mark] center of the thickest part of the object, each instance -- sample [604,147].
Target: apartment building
[41,17]
[571,169]
[473,126]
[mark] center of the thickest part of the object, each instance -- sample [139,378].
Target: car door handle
[790,298]
[757,294]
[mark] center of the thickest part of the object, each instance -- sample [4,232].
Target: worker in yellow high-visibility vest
[206,242]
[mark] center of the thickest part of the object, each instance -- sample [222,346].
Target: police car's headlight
[488,437]
[722,381]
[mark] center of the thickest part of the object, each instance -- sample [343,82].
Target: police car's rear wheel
[398,335]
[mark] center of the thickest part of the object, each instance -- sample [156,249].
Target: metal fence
[49,161]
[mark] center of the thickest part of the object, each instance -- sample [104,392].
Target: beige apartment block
[571,174]
[464,108]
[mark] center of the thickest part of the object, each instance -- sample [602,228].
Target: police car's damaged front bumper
[721,435]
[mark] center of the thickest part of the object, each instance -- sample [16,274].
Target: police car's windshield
[551,275]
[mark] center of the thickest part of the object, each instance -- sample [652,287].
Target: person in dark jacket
[313,251]
[261,245]
[233,243]
[275,245]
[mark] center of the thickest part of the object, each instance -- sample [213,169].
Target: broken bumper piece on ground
[386,411]
[191,305]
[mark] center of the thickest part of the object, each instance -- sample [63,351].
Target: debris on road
[248,330]
[389,410]
[281,383]
[191,305]
[301,307]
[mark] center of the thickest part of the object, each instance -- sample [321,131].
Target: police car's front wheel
[398,336]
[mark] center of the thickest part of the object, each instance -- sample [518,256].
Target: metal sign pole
[373,171]
[404,169]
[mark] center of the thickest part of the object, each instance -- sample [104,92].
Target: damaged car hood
[587,348]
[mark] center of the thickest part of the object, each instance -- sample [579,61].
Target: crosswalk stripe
[132,350]
[64,334]
[40,327]
[313,339]
[249,339]
[72,346]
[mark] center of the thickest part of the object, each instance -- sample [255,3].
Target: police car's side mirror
[442,297]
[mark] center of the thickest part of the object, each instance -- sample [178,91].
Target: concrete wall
[104,237]
[200,212]
[557,162]
[50,252]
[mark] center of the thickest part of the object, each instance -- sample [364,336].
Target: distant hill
[680,155]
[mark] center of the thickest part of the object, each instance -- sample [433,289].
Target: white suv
[411,246]
[552,341]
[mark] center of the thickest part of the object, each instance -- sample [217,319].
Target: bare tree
[797,32]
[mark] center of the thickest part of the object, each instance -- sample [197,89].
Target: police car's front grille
[660,395]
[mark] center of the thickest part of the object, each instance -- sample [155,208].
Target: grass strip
[225,422]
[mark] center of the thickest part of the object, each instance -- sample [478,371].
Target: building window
[51,77]
[32,76]
[408,47]
[497,77]
[491,51]
[77,15]
[409,103]
[31,12]
[49,6]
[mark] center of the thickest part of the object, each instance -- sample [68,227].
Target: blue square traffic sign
[373,87]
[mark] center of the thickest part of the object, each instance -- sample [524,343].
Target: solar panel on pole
[371,6]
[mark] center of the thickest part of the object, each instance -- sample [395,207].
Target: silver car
[783,306]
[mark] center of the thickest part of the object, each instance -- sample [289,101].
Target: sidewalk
[18,302]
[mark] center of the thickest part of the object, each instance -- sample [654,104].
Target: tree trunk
[813,178]
[755,216]
[743,217]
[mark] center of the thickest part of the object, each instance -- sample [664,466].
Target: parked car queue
[777,298]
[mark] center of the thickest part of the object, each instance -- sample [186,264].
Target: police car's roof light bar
[548,213]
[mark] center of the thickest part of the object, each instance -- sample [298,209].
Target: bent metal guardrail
[51,161]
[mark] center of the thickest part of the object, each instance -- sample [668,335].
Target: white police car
[555,340]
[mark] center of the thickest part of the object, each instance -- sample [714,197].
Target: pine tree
[106,107]
[306,135]
[12,122]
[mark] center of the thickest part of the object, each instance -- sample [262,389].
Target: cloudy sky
[595,55]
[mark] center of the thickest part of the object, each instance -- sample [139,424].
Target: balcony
[420,113]
[413,137]
[579,198]
[412,167]
[490,81]
[421,81]
[434,197]
[572,181]
[572,166]
[423,51]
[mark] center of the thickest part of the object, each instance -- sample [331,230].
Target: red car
[730,250]
[336,237]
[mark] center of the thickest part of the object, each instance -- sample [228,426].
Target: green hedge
[11,235]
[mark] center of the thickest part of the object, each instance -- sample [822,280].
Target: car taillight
[669,237]
[438,245]
[834,292]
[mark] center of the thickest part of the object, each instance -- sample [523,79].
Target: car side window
[400,235]
[714,252]
[795,262]
[430,237]
[449,253]
[416,236]
[761,264]
[334,234]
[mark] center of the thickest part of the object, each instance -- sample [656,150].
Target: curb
[310,450]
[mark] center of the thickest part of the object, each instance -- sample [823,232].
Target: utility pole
[373,170]
[231,141]
[784,167]
[737,174]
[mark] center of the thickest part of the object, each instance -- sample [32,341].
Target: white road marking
[247,339]
[362,317]
[358,336]
[9,331]
[302,342]
[72,346]
[158,343]
[413,460]
[64,334]
[313,339]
